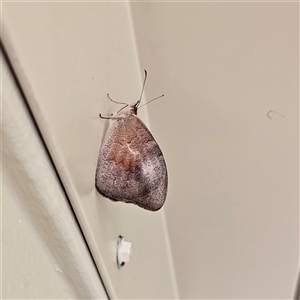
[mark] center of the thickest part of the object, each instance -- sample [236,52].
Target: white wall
[232,209]
[68,56]
[233,204]
[43,252]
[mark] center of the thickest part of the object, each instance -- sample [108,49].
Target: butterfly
[131,167]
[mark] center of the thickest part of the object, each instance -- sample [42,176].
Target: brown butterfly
[131,167]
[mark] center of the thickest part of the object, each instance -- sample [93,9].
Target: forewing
[131,167]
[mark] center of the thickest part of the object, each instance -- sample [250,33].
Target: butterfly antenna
[138,103]
[152,100]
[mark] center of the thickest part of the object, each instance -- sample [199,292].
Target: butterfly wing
[131,167]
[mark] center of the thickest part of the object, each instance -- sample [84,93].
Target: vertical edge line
[165,227]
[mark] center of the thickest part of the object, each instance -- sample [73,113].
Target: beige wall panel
[68,56]
[233,207]
[228,127]
[43,253]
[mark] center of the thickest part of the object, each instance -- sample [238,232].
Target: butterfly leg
[115,101]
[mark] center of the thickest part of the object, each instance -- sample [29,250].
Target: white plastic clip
[124,251]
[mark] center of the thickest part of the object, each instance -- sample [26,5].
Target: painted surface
[228,126]
[43,252]
[233,207]
[68,56]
